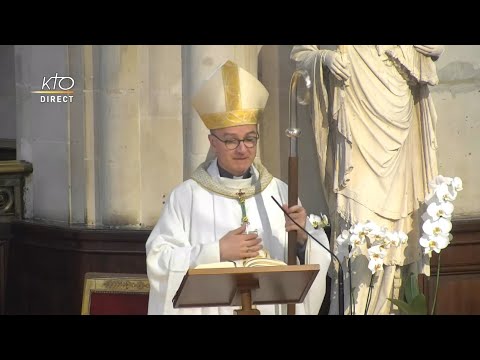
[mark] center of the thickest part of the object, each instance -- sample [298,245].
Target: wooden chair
[115,294]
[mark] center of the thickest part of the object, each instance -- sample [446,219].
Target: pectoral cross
[240,194]
[241,200]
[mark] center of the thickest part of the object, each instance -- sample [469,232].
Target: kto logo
[60,85]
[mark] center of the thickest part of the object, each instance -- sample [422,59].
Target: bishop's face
[235,159]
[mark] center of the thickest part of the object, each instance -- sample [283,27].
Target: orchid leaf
[402,305]
[419,305]
[411,288]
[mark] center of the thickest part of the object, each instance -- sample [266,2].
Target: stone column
[117,133]
[198,62]
[137,124]
[42,130]
[112,154]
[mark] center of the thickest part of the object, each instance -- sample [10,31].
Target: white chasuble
[198,213]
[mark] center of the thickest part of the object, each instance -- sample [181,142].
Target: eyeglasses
[232,144]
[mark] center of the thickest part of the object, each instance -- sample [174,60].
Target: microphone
[340,270]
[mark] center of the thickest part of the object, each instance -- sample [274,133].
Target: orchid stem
[352,302]
[436,286]
[369,297]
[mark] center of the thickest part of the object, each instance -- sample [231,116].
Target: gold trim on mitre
[232,118]
[231,86]
[231,96]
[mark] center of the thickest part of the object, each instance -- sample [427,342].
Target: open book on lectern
[263,259]
[253,281]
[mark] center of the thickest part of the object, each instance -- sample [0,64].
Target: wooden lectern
[245,286]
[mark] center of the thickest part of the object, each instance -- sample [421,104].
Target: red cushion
[118,304]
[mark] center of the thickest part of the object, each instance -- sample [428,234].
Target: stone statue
[374,123]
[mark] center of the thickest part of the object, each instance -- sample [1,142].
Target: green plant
[415,302]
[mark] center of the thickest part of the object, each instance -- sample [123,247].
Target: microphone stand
[340,269]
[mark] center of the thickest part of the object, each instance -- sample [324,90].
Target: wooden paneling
[458,294]
[4,241]
[8,149]
[459,283]
[7,154]
[47,263]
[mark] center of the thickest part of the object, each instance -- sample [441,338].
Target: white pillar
[137,111]
[42,131]
[161,131]
[117,123]
[111,156]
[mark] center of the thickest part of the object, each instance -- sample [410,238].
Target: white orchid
[444,193]
[343,241]
[370,227]
[434,243]
[370,240]
[457,184]
[437,225]
[324,220]
[403,237]
[371,237]
[375,265]
[391,238]
[377,236]
[440,180]
[360,230]
[318,221]
[436,237]
[443,209]
[356,240]
[346,240]
[376,253]
[314,220]
[440,226]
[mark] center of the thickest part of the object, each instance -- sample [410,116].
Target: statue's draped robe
[375,136]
